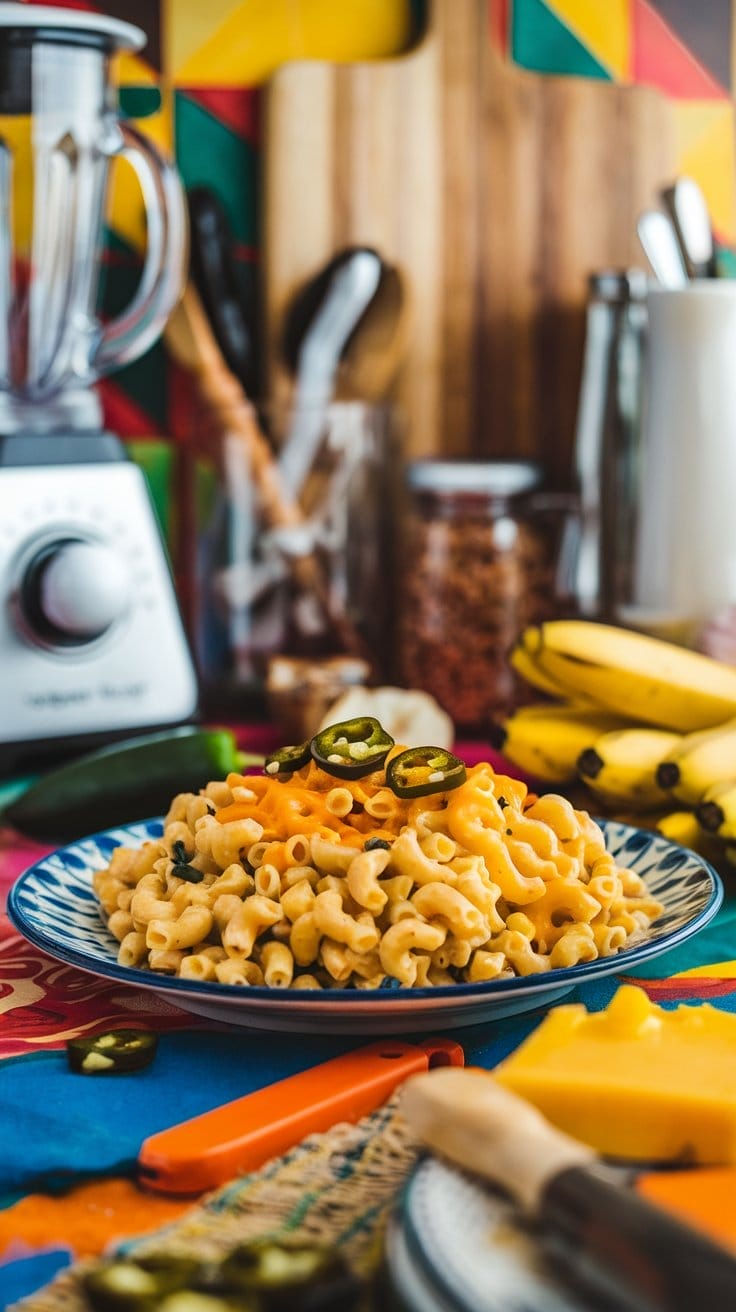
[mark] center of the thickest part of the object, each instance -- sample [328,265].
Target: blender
[91,642]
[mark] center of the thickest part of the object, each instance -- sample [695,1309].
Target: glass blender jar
[59,131]
[91,643]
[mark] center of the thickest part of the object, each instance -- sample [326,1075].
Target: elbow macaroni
[481,883]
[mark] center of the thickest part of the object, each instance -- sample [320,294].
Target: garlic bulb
[412,717]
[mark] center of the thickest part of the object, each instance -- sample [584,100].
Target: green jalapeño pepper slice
[420,771]
[138,1284]
[287,759]
[284,1276]
[352,748]
[111,1053]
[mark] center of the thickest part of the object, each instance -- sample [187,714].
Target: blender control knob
[74,590]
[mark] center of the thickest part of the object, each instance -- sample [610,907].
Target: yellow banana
[700,761]
[642,678]
[545,739]
[525,666]
[621,766]
[680,827]
[684,828]
[716,811]
[636,819]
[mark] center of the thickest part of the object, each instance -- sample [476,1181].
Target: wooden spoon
[192,343]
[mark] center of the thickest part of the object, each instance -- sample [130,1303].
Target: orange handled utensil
[207,1150]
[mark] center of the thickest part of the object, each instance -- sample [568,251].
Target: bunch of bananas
[647,727]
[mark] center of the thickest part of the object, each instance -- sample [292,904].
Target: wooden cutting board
[495,191]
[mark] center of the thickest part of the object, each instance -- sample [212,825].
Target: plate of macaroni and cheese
[358,886]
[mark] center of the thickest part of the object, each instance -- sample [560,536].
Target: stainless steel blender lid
[71,25]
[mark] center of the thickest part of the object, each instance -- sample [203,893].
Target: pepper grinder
[607,439]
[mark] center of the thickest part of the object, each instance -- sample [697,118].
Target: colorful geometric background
[680,47]
[196,86]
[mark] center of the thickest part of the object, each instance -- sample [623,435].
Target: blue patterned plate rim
[26,903]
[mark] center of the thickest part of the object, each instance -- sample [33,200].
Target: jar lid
[498,478]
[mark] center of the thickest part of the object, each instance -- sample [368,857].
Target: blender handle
[162,279]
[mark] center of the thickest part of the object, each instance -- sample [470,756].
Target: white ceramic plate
[54,906]
[455,1245]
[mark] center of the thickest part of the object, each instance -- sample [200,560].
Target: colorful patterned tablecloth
[68,1146]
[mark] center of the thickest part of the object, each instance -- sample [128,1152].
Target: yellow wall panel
[187,26]
[259,35]
[708,156]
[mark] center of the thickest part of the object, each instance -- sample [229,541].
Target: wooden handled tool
[192,343]
[609,1235]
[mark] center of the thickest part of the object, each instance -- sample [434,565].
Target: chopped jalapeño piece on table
[352,748]
[285,1276]
[112,1053]
[287,759]
[127,1283]
[419,771]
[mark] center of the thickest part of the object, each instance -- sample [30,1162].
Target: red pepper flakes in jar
[478,565]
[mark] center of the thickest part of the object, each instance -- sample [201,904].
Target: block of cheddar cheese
[635,1081]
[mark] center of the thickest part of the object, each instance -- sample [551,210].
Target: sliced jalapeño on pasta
[352,748]
[419,771]
[287,759]
[181,864]
[112,1053]
[305,880]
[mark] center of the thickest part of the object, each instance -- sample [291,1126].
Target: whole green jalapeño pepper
[126,781]
[352,748]
[420,771]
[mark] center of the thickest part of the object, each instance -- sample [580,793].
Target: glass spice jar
[479,556]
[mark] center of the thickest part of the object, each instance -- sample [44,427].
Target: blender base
[97,652]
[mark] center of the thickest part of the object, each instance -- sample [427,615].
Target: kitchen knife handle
[240,1136]
[613,1240]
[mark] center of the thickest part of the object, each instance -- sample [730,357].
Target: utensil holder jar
[254,589]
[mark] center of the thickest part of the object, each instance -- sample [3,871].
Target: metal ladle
[662,248]
[688,210]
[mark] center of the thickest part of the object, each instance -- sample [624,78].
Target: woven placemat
[335,1188]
